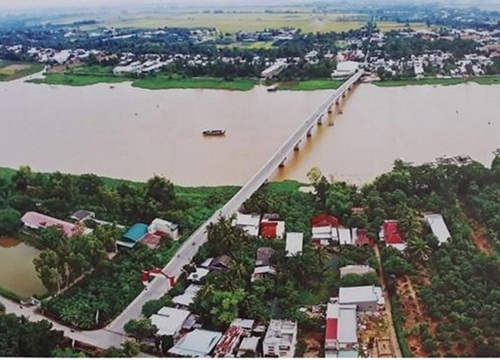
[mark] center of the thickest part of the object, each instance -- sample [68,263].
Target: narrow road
[388,308]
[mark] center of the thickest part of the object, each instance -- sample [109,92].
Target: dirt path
[388,309]
[479,238]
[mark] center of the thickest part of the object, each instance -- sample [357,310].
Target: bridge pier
[330,109]
[320,120]
[296,147]
[309,133]
[282,164]
[343,94]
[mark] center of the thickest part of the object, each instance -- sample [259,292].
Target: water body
[17,272]
[413,123]
[131,133]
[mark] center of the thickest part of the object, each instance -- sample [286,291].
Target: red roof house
[324,220]
[391,233]
[331,329]
[363,239]
[268,230]
[37,221]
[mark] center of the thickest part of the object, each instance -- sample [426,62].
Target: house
[280,339]
[366,298]
[187,298]
[133,235]
[163,227]
[197,343]
[82,215]
[199,274]
[345,69]
[36,221]
[324,220]
[345,237]
[263,263]
[228,345]
[294,243]
[248,346]
[360,237]
[322,235]
[272,229]
[391,236]
[341,339]
[169,321]
[220,263]
[438,227]
[356,269]
[248,223]
[274,69]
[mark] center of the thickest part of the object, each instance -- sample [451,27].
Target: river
[131,133]
[17,272]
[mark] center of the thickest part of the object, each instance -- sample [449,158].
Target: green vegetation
[10,70]
[162,82]
[22,338]
[307,85]
[247,45]
[482,80]
[152,82]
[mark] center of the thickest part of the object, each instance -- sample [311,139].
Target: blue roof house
[133,235]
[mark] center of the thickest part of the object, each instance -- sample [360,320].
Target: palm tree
[418,250]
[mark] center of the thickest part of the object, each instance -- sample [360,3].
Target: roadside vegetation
[308,85]
[11,70]
[482,80]
[109,278]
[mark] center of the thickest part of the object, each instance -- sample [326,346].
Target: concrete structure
[438,227]
[36,221]
[187,297]
[366,298]
[164,227]
[198,343]
[280,339]
[356,269]
[169,321]
[294,243]
[345,237]
[345,69]
[228,345]
[274,69]
[248,345]
[341,325]
[248,222]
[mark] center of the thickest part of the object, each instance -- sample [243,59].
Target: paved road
[112,335]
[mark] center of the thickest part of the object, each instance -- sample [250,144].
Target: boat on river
[214,132]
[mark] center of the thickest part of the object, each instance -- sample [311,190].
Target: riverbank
[481,80]
[151,83]
[310,85]
[11,70]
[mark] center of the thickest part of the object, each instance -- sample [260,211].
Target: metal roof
[169,321]
[136,232]
[294,243]
[438,227]
[198,343]
[357,294]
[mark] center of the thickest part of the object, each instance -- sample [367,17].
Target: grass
[247,45]
[9,294]
[152,83]
[482,80]
[386,26]
[7,74]
[162,82]
[309,85]
[78,80]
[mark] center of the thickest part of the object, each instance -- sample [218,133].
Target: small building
[356,269]
[133,235]
[322,235]
[263,264]
[391,236]
[187,298]
[82,215]
[345,69]
[360,238]
[271,229]
[274,69]
[221,262]
[161,227]
[228,345]
[197,343]
[324,220]
[366,298]
[341,330]
[438,227]
[199,274]
[169,321]
[345,237]
[36,221]
[280,339]
[248,346]
[294,243]
[248,223]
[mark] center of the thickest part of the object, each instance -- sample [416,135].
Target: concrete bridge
[113,334]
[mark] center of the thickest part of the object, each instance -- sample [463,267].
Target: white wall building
[280,339]
[169,321]
[294,243]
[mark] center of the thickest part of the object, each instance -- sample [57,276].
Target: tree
[153,306]
[22,178]
[140,329]
[9,221]
[131,349]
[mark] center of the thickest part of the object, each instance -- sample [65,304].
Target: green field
[309,85]
[152,83]
[248,45]
[482,80]
[10,70]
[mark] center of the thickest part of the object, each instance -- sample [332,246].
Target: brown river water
[131,133]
